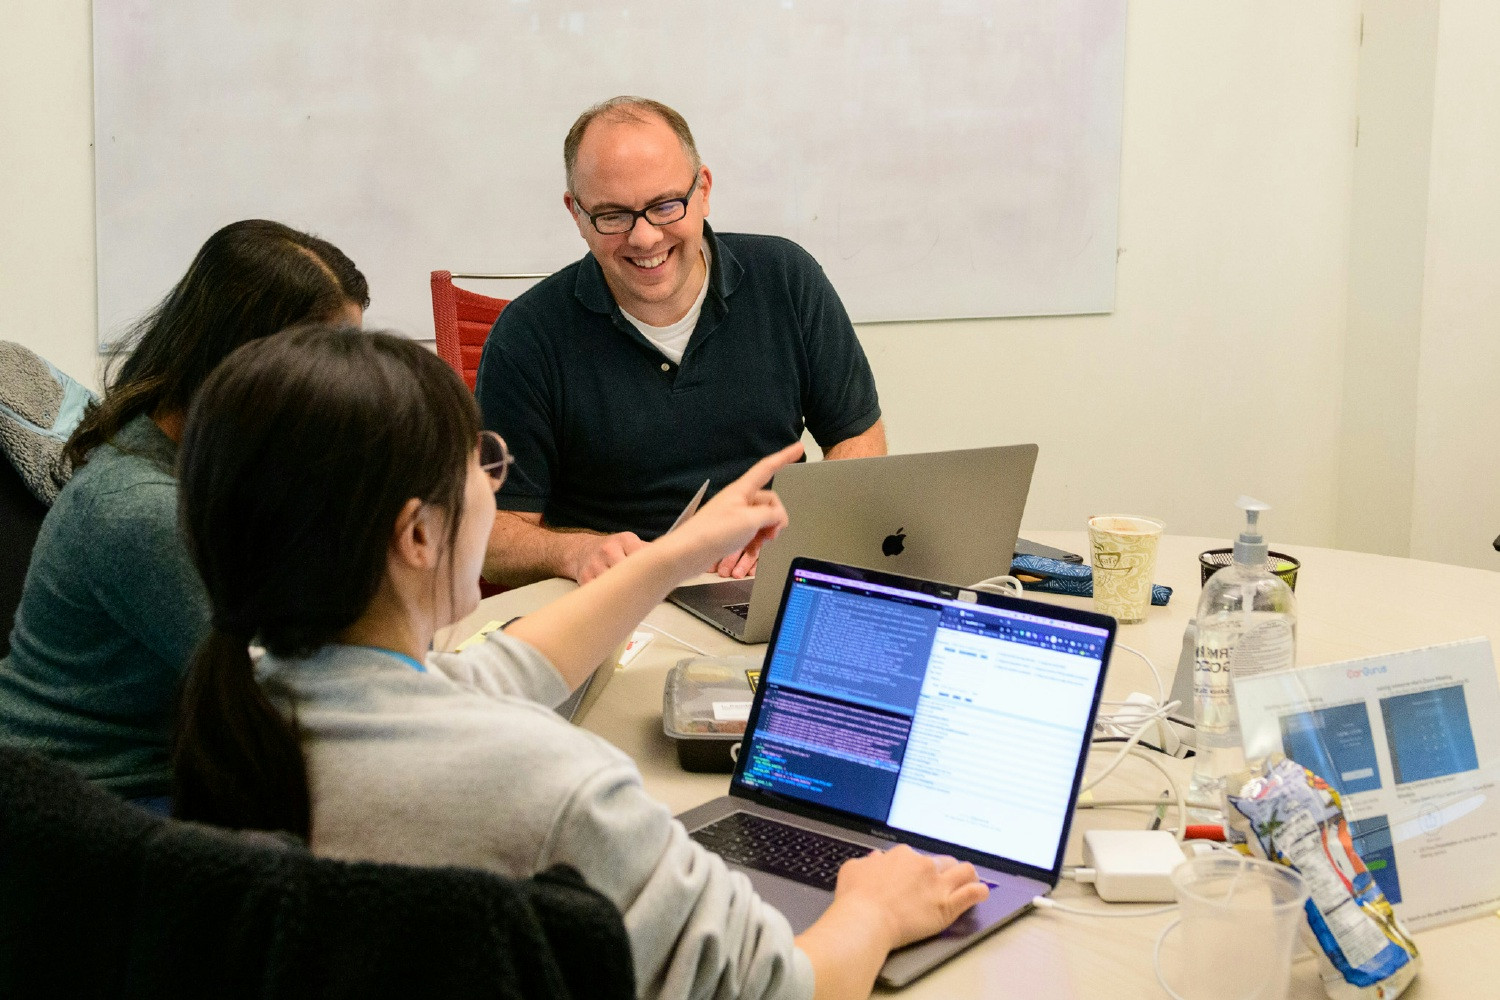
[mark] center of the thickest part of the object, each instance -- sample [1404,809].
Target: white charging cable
[1044,903]
[1156,959]
[1007,585]
[1143,722]
[1163,723]
[1161,688]
[681,642]
[1131,748]
[1121,803]
[1124,715]
[1178,799]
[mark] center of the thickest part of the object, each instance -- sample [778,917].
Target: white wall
[1218,372]
[47,182]
[1387,247]
[1456,506]
[1234,282]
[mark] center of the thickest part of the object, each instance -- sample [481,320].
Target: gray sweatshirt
[465,764]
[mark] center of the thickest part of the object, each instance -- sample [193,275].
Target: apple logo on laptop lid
[894,544]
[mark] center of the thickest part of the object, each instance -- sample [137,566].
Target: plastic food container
[704,706]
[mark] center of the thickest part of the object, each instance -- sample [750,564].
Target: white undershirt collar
[672,340]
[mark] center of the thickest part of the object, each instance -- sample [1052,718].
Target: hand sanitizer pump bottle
[1247,624]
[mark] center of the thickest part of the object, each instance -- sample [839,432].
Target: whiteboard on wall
[940,159]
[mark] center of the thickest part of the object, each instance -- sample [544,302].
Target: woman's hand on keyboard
[920,894]
[883,901]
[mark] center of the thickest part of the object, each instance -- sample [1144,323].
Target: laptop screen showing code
[946,719]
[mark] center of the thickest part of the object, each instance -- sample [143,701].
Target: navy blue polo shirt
[611,435]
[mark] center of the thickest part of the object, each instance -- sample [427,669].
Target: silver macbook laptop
[947,514]
[577,704]
[898,710]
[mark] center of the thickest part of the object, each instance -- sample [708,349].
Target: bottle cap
[1251,548]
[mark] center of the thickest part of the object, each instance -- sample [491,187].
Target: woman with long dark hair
[337,494]
[112,607]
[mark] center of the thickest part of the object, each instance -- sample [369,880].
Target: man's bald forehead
[628,110]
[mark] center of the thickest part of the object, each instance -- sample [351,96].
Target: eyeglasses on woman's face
[494,458]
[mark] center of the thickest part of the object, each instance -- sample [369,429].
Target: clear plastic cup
[1238,928]
[1122,552]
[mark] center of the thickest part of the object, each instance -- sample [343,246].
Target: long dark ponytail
[299,452]
[248,280]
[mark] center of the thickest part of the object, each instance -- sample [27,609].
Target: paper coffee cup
[1122,552]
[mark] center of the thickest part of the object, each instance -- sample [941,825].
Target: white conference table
[1350,604]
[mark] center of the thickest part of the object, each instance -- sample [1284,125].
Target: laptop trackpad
[801,904]
[1009,898]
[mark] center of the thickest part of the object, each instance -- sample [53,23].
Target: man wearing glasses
[668,355]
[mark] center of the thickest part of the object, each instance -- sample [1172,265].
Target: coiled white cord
[1007,585]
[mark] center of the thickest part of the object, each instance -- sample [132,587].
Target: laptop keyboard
[769,846]
[743,610]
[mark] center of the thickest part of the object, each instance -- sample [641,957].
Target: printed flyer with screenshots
[1411,742]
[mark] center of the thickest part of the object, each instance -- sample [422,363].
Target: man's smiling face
[654,272]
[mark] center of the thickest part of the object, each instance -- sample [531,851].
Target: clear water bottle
[1247,624]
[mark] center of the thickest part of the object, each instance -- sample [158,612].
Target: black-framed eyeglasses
[621,220]
[494,457]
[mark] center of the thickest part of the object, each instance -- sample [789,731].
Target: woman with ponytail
[112,608]
[337,494]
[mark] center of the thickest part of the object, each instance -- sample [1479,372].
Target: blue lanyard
[413,662]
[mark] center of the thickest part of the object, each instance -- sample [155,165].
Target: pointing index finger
[761,472]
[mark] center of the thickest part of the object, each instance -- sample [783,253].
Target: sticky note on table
[478,637]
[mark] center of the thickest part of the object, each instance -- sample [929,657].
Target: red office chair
[462,320]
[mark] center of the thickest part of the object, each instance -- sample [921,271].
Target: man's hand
[738,564]
[522,550]
[596,553]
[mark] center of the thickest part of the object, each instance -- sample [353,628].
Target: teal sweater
[111,612]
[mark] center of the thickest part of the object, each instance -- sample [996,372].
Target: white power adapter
[1130,866]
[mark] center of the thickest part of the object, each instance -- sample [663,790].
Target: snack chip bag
[1292,817]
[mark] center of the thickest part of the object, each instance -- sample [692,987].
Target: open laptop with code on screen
[896,710]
